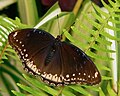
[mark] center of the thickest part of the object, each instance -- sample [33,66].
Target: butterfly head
[59,38]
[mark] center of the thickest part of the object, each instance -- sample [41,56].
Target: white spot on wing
[96,74]
[48,76]
[16,40]
[29,64]
[43,75]
[72,82]
[88,76]
[22,45]
[72,79]
[83,79]
[32,66]
[24,50]
[26,55]
[37,72]
[80,78]
[21,53]
[20,42]
[67,76]
[51,77]
[55,78]
[15,34]
[73,74]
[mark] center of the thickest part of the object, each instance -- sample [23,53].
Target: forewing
[28,42]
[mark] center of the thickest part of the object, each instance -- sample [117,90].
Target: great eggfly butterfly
[57,62]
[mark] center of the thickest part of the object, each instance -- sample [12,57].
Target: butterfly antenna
[58,25]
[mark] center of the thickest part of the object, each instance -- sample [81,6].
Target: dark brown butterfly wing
[28,42]
[77,66]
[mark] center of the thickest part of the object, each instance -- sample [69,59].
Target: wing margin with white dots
[80,69]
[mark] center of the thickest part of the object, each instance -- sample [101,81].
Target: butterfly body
[57,62]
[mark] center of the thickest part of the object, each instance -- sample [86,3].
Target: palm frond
[7,54]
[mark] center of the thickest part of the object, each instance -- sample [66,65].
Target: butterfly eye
[57,62]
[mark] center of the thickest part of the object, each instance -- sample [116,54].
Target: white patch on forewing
[15,34]
[96,74]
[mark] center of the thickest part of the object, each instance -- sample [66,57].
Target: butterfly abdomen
[49,56]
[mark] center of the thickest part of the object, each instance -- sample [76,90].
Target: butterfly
[57,62]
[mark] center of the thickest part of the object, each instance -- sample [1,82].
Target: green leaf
[78,33]
[93,55]
[106,15]
[18,93]
[103,41]
[92,22]
[103,67]
[110,9]
[99,18]
[111,91]
[106,78]
[28,11]
[67,92]
[41,86]
[101,93]
[51,13]
[97,47]
[75,42]
[110,36]
[32,91]
[80,90]
[94,88]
